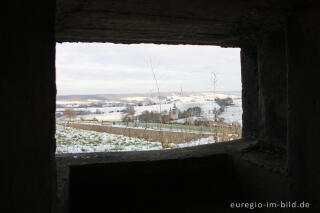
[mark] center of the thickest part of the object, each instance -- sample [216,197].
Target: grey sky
[101,68]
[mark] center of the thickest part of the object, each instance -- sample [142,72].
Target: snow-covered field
[231,114]
[70,140]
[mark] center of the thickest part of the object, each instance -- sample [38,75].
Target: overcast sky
[104,68]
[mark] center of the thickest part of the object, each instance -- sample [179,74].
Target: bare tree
[152,68]
[214,78]
[70,113]
[129,110]
[129,113]
[157,85]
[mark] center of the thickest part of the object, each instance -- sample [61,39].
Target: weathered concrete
[224,23]
[65,162]
[28,83]
[241,176]
[28,107]
[250,92]
[272,75]
[303,35]
[262,178]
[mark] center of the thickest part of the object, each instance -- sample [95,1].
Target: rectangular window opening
[116,97]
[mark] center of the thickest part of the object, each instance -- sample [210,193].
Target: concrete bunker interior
[280,59]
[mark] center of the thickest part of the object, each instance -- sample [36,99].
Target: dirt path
[150,135]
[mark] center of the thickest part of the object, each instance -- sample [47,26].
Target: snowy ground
[232,113]
[70,140]
[152,126]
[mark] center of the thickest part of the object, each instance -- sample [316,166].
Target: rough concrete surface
[288,64]
[250,92]
[216,22]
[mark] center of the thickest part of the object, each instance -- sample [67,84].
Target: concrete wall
[264,88]
[303,35]
[195,179]
[288,98]
[250,92]
[28,106]
[272,78]
[188,185]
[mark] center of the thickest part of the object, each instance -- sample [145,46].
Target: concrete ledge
[226,163]
[153,155]
[66,161]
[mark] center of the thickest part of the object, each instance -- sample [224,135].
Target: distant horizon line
[132,93]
